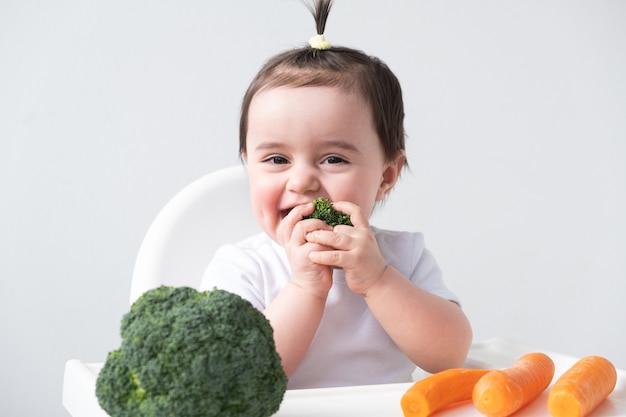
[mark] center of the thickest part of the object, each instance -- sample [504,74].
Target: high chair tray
[364,401]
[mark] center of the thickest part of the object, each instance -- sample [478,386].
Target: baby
[350,304]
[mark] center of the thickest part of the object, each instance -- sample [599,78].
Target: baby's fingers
[287,229]
[327,257]
[331,238]
[356,215]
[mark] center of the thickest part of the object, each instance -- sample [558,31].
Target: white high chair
[213,210]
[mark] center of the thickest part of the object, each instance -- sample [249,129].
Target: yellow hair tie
[319,42]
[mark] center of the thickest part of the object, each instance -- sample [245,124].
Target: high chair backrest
[180,242]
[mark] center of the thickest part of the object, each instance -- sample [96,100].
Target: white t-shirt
[350,347]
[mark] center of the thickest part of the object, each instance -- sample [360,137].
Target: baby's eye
[334,159]
[276,159]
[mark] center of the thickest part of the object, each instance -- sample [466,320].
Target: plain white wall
[516,115]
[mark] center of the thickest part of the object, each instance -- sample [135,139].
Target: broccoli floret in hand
[186,353]
[324,211]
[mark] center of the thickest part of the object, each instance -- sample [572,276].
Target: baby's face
[309,142]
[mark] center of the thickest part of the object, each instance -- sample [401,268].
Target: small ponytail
[320,10]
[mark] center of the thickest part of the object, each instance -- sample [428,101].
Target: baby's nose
[303,180]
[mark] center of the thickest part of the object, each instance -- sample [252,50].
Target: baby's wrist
[305,289]
[377,282]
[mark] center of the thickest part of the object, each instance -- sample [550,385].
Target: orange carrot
[582,387]
[440,390]
[502,392]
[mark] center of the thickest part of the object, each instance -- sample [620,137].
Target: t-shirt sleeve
[406,251]
[233,269]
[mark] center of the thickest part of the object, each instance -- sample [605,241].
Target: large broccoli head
[186,353]
[324,211]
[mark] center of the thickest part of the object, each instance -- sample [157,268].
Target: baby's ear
[390,176]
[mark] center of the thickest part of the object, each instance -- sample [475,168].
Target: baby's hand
[352,248]
[309,275]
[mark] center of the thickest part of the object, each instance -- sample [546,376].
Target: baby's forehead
[318,103]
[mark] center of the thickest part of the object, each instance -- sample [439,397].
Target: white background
[516,116]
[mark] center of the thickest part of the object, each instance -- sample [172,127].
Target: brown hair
[345,68]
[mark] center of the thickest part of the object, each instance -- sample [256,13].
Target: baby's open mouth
[285,212]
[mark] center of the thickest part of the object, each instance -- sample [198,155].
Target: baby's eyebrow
[348,146]
[268,145]
[340,144]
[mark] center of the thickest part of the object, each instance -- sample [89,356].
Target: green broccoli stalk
[187,353]
[324,211]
